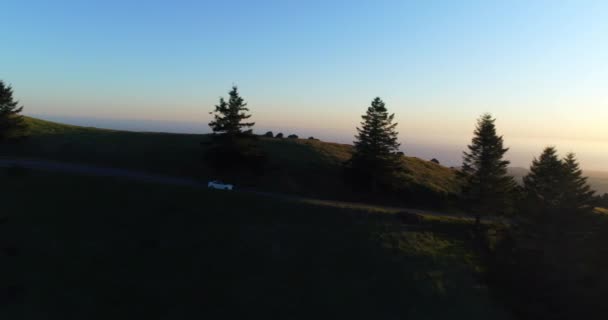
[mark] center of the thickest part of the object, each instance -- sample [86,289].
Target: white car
[219,185]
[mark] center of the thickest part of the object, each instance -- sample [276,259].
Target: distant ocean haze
[448,149]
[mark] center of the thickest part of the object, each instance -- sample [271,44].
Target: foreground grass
[93,248]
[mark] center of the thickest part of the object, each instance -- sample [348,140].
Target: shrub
[292,136]
[279,135]
[269,134]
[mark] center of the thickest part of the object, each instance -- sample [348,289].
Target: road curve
[81,169]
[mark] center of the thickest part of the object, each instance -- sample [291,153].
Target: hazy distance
[447,150]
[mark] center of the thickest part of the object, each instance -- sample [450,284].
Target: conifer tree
[12,123]
[578,196]
[375,149]
[557,187]
[543,185]
[488,187]
[229,116]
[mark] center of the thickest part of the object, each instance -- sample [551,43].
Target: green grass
[153,152]
[295,166]
[98,248]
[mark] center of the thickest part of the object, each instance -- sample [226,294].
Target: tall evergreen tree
[543,185]
[12,123]
[578,196]
[488,187]
[229,116]
[556,188]
[375,149]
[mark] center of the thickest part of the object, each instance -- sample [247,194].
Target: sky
[312,68]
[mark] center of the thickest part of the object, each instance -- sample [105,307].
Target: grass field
[296,166]
[98,248]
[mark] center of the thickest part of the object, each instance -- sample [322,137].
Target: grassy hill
[43,127]
[298,166]
[98,248]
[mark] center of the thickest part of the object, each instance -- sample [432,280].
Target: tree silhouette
[488,188]
[375,149]
[235,150]
[557,188]
[229,116]
[543,184]
[12,124]
[578,196]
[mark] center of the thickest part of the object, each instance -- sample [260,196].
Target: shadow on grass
[100,248]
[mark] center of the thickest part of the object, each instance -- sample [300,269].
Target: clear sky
[312,67]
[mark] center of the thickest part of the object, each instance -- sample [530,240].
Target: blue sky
[312,67]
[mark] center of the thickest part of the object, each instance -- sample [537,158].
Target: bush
[279,135]
[292,136]
[435,161]
[269,134]
[312,138]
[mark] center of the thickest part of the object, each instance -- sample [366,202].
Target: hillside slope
[43,127]
[98,248]
[299,166]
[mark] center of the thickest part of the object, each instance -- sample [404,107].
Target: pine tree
[557,188]
[488,187]
[229,116]
[375,149]
[578,196]
[543,186]
[12,123]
